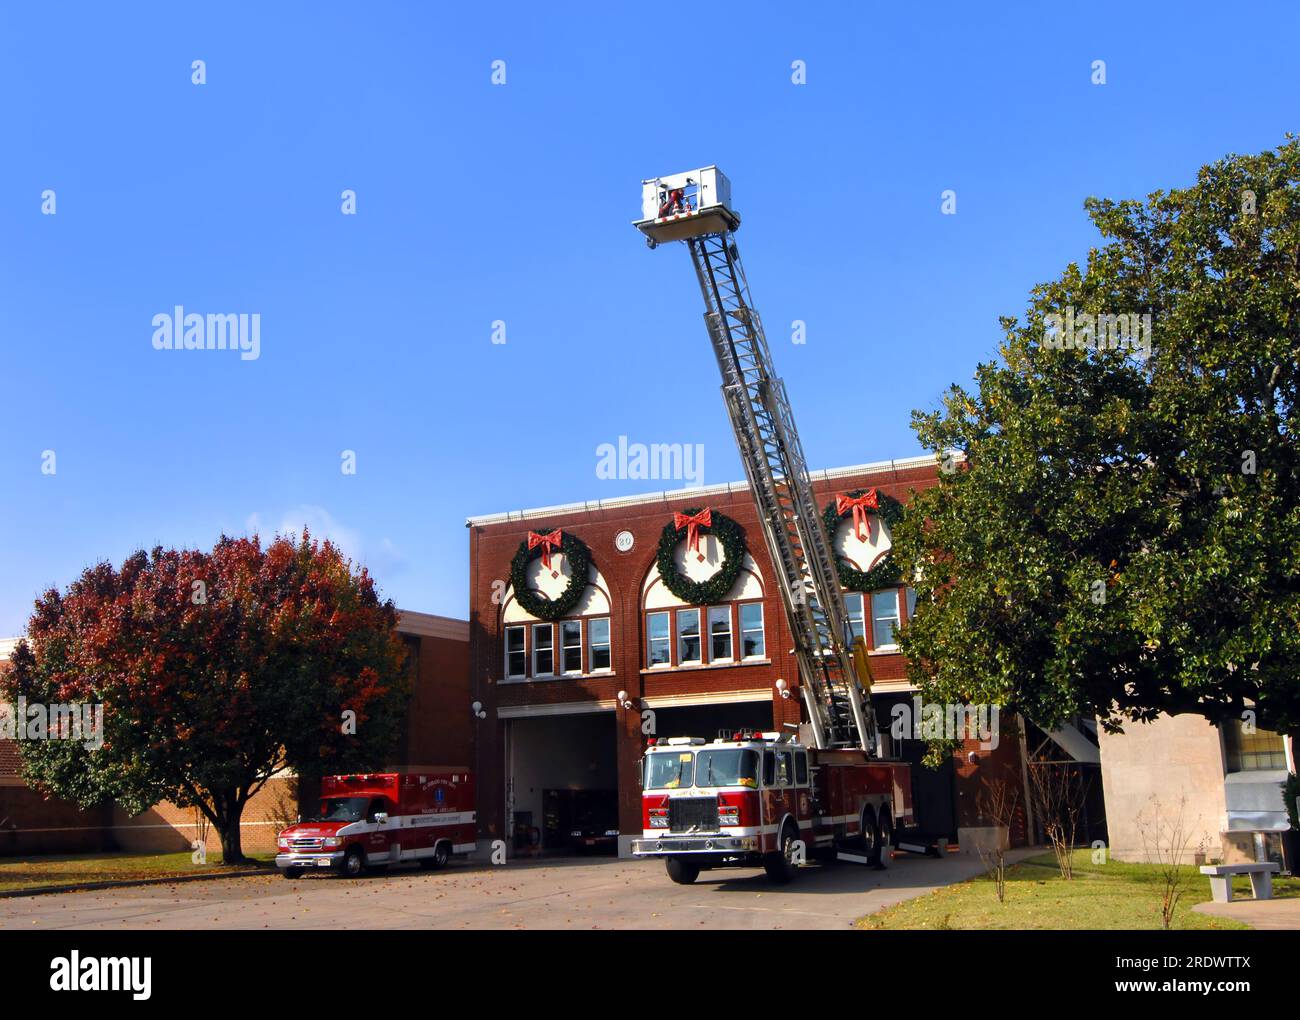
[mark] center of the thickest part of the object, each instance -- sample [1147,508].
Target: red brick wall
[492,546]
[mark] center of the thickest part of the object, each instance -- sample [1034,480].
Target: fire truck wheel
[780,865]
[885,858]
[870,836]
[354,863]
[682,872]
[292,872]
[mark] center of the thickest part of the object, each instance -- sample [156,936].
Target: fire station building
[570,679]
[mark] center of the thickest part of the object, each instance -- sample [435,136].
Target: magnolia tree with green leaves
[216,670]
[1123,537]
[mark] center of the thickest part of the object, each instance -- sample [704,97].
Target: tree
[1123,538]
[216,670]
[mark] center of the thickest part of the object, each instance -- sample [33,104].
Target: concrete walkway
[571,893]
[1272,914]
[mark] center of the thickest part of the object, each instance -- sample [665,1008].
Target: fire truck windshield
[343,809]
[669,770]
[732,767]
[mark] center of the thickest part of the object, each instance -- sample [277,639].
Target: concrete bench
[1261,879]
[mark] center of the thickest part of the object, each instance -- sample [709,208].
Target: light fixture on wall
[477,709]
[625,700]
[783,689]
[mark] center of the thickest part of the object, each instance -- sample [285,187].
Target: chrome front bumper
[309,860]
[664,846]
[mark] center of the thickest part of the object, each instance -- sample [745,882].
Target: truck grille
[699,813]
[305,843]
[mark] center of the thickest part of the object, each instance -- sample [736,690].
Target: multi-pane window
[752,645]
[543,649]
[884,618]
[571,646]
[910,594]
[719,633]
[516,657]
[853,607]
[598,643]
[1257,750]
[688,635]
[658,639]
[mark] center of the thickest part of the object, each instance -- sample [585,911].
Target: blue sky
[479,202]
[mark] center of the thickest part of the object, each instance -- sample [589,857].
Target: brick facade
[493,543]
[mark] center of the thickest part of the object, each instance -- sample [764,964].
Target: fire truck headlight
[332,841]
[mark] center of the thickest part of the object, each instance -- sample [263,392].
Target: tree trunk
[231,811]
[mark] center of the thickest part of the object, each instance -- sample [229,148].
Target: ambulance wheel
[292,872]
[354,863]
[441,855]
[682,872]
[780,865]
[885,857]
[870,836]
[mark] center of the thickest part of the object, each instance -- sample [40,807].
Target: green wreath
[715,589]
[535,603]
[884,574]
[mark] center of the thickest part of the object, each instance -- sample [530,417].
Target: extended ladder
[838,706]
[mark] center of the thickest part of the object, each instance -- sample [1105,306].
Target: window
[516,657]
[720,634]
[769,768]
[1250,752]
[688,635]
[598,644]
[853,606]
[658,640]
[801,767]
[571,646]
[910,595]
[784,768]
[751,630]
[543,650]
[884,617]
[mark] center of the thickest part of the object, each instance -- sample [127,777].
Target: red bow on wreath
[692,524]
[547,542]
[859,505]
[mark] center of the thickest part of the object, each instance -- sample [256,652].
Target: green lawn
[1100,896]
[18,873]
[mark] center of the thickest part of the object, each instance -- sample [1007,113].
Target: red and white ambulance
[764,799]
[381,819]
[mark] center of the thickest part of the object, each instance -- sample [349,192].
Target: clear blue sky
[479,202]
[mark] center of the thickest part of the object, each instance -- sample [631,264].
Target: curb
[46,890]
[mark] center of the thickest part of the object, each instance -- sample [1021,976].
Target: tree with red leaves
[216,670]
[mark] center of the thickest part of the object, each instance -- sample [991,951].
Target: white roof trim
[676,495]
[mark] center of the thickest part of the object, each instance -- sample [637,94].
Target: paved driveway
[581,893]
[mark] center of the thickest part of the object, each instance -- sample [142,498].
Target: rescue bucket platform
[686,205]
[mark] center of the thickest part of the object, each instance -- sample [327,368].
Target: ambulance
[379,819]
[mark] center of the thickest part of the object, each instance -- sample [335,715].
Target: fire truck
[379,819]
[769,798]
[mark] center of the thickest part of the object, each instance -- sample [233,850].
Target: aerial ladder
[695,208]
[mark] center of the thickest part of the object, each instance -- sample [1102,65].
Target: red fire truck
[765,799]
[382,819]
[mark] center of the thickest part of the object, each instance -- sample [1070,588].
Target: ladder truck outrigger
[769,799]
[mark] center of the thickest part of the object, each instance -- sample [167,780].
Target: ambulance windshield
[343,809]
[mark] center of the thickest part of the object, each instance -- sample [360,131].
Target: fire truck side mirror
[381,817]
